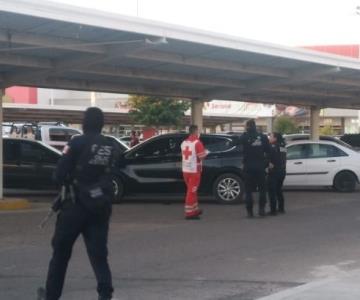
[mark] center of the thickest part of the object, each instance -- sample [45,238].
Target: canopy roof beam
[65,64]
[216,64]
[300,101]
[231,93]
[311,92]
[16,60]
[87,85]
[160,75]
[297,76]
[43,41]
[338,81]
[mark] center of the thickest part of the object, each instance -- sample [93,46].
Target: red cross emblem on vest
[187,152]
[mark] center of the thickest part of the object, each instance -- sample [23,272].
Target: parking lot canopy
[53,45]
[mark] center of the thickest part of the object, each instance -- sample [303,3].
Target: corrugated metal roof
[53,45]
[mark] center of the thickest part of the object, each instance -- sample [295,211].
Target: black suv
[30,164]
[154,166]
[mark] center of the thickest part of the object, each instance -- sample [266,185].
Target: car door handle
[331,160]
[298,163]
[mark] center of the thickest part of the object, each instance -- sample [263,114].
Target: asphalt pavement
[156,254]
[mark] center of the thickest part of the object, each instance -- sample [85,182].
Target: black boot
[41,293]
[250,213]
[262,212]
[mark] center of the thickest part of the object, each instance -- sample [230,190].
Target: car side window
[34,153]
[338,152]
[30,152]
[160,147]
[154,148]
[297,152]
[48,157]
[11,151]
[174,146]
[323,150]
[217,144]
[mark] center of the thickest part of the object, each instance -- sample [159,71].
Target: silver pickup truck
[55,135]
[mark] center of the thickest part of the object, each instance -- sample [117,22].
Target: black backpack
[97,158]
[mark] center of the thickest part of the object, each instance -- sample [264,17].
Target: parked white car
[322,163]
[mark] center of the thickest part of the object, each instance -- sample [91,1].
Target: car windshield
[124,147]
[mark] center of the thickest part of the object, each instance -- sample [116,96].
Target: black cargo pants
[275,188]
[72,221]
[255,180]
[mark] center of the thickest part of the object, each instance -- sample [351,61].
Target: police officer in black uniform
[255,149]
[277,173]
[87,160]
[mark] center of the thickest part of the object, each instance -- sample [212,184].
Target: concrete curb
[14,204]
[300,291]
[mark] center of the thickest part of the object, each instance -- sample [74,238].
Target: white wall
[78,98]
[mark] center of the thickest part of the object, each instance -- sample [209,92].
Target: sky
[285,22]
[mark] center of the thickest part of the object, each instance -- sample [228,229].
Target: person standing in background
[134,139]
[193,153]
[255,150]
[277,173]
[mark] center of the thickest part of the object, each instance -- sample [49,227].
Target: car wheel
[345,182]
[118,189]
[228,189]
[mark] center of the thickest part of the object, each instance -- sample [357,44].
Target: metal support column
[197,113]
[269,124]
[314,122]
[92,98]
[2,93]
[343,125]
